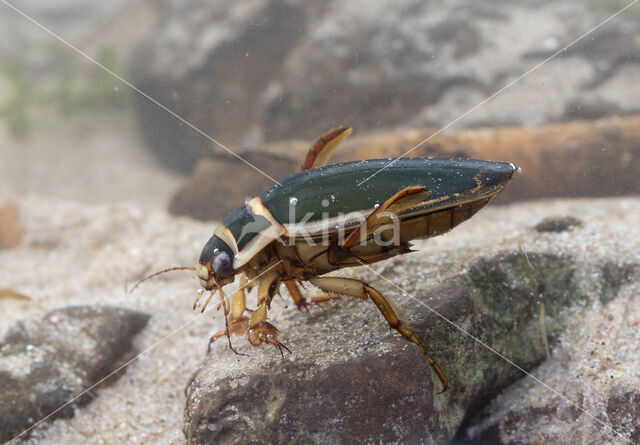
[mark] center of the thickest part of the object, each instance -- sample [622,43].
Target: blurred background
[92,173]
[266,77]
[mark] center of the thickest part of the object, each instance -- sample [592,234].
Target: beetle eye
[221,265]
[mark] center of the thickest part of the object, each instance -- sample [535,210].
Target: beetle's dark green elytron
[319,220]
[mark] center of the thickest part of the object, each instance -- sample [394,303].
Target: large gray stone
[597,360]
[349,382]
[46,361]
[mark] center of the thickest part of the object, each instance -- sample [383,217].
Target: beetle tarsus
[236,326]
[213,338]
[265,332]
[360,289]
[279,345]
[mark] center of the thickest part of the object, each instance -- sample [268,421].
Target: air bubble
[293,201]
[325,203]
[376,206]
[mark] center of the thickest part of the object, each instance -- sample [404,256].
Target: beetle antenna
[160,272]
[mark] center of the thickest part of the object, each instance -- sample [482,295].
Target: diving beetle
[319,220]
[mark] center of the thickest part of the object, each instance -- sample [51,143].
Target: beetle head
[215,267]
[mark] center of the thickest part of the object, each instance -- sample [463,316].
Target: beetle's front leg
[360,289]
[260,330]
[236,322]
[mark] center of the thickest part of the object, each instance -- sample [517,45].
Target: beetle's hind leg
[360,289]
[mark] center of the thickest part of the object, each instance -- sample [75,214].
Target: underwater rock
[272,70]
[625,408]
[213,191]
[614,276]
[228,71]
[46,361]
[534,422]
[349,382]
[594,367]
[557,224]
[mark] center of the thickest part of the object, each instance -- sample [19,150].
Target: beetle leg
[292,286]
[206,303]
[302,302]
[360,289]
[265,332]
[239,299]
[214,337]
[267,287]
[235,321]
[322,149]
[227,330]
[297,296]
[368,224]
[261,331]
[323,298]
[235,327]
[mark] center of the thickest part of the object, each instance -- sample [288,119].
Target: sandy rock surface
[594,364]
[48,361]
[351,382]
[351,379]
[78,254]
